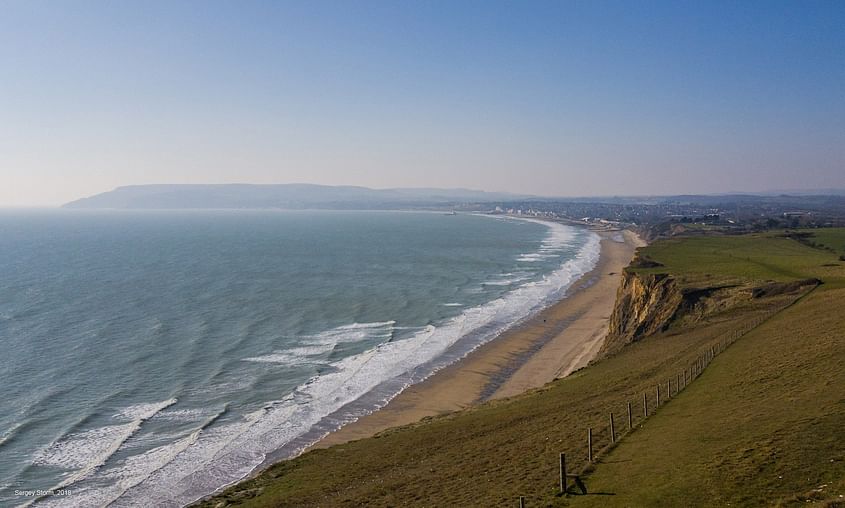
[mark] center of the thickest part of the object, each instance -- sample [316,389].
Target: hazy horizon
[550,99]
[494,195]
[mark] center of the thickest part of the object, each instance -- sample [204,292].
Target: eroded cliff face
[645,304]
[652,302]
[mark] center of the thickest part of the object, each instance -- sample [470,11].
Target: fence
[692,371]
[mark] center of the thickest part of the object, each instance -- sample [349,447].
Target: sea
[150,358]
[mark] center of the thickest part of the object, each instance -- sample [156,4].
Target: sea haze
[150,358]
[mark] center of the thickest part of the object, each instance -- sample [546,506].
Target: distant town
[687,214]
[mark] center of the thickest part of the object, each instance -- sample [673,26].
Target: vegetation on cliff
[680,282]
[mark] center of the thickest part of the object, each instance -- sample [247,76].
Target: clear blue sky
[553,98]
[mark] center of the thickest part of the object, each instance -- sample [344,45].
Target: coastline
[551,344]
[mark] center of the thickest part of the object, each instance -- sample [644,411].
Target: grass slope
[764,424]
[760,410]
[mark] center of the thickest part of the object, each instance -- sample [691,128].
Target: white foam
[184,415]
[117,480]
[355,332]
[507,279]
[9,433]
[84,452]
[292,355]
[324,342]
[533,258]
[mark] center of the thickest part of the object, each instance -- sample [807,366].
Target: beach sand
[557,341]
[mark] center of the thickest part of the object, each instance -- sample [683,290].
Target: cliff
[645,304]
[648,303]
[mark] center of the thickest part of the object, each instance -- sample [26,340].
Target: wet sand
[557,341]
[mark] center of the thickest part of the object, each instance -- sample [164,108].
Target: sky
[559,98]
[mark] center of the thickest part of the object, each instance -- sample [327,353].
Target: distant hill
[283,196]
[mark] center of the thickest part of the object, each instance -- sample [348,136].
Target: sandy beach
[557,341]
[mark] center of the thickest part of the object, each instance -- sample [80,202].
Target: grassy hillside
[765,424]
[773,404]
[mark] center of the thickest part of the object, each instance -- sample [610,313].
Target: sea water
[151,358]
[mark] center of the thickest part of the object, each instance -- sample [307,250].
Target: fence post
[630,419]
[612,430]
[657,401]
[590,444]
[521,502]
[645,405]
[669,388]
[563,473]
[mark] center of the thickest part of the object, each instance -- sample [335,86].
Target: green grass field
[831,238]
[738,259]
[765,423]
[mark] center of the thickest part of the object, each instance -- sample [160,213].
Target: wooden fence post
[521,502]
[590,444]
[645,405]
[563,473]
[657,400]
[669,388]
[630,419]
[612,430]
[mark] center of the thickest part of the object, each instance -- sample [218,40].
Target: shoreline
[553,343]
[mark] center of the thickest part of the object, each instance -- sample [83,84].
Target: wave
[11,433]
[314,346]
[84,452]
[137,468]
[531,258]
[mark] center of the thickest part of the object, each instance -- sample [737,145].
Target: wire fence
[603,437]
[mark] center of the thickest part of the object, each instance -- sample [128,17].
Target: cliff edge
[650,301]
